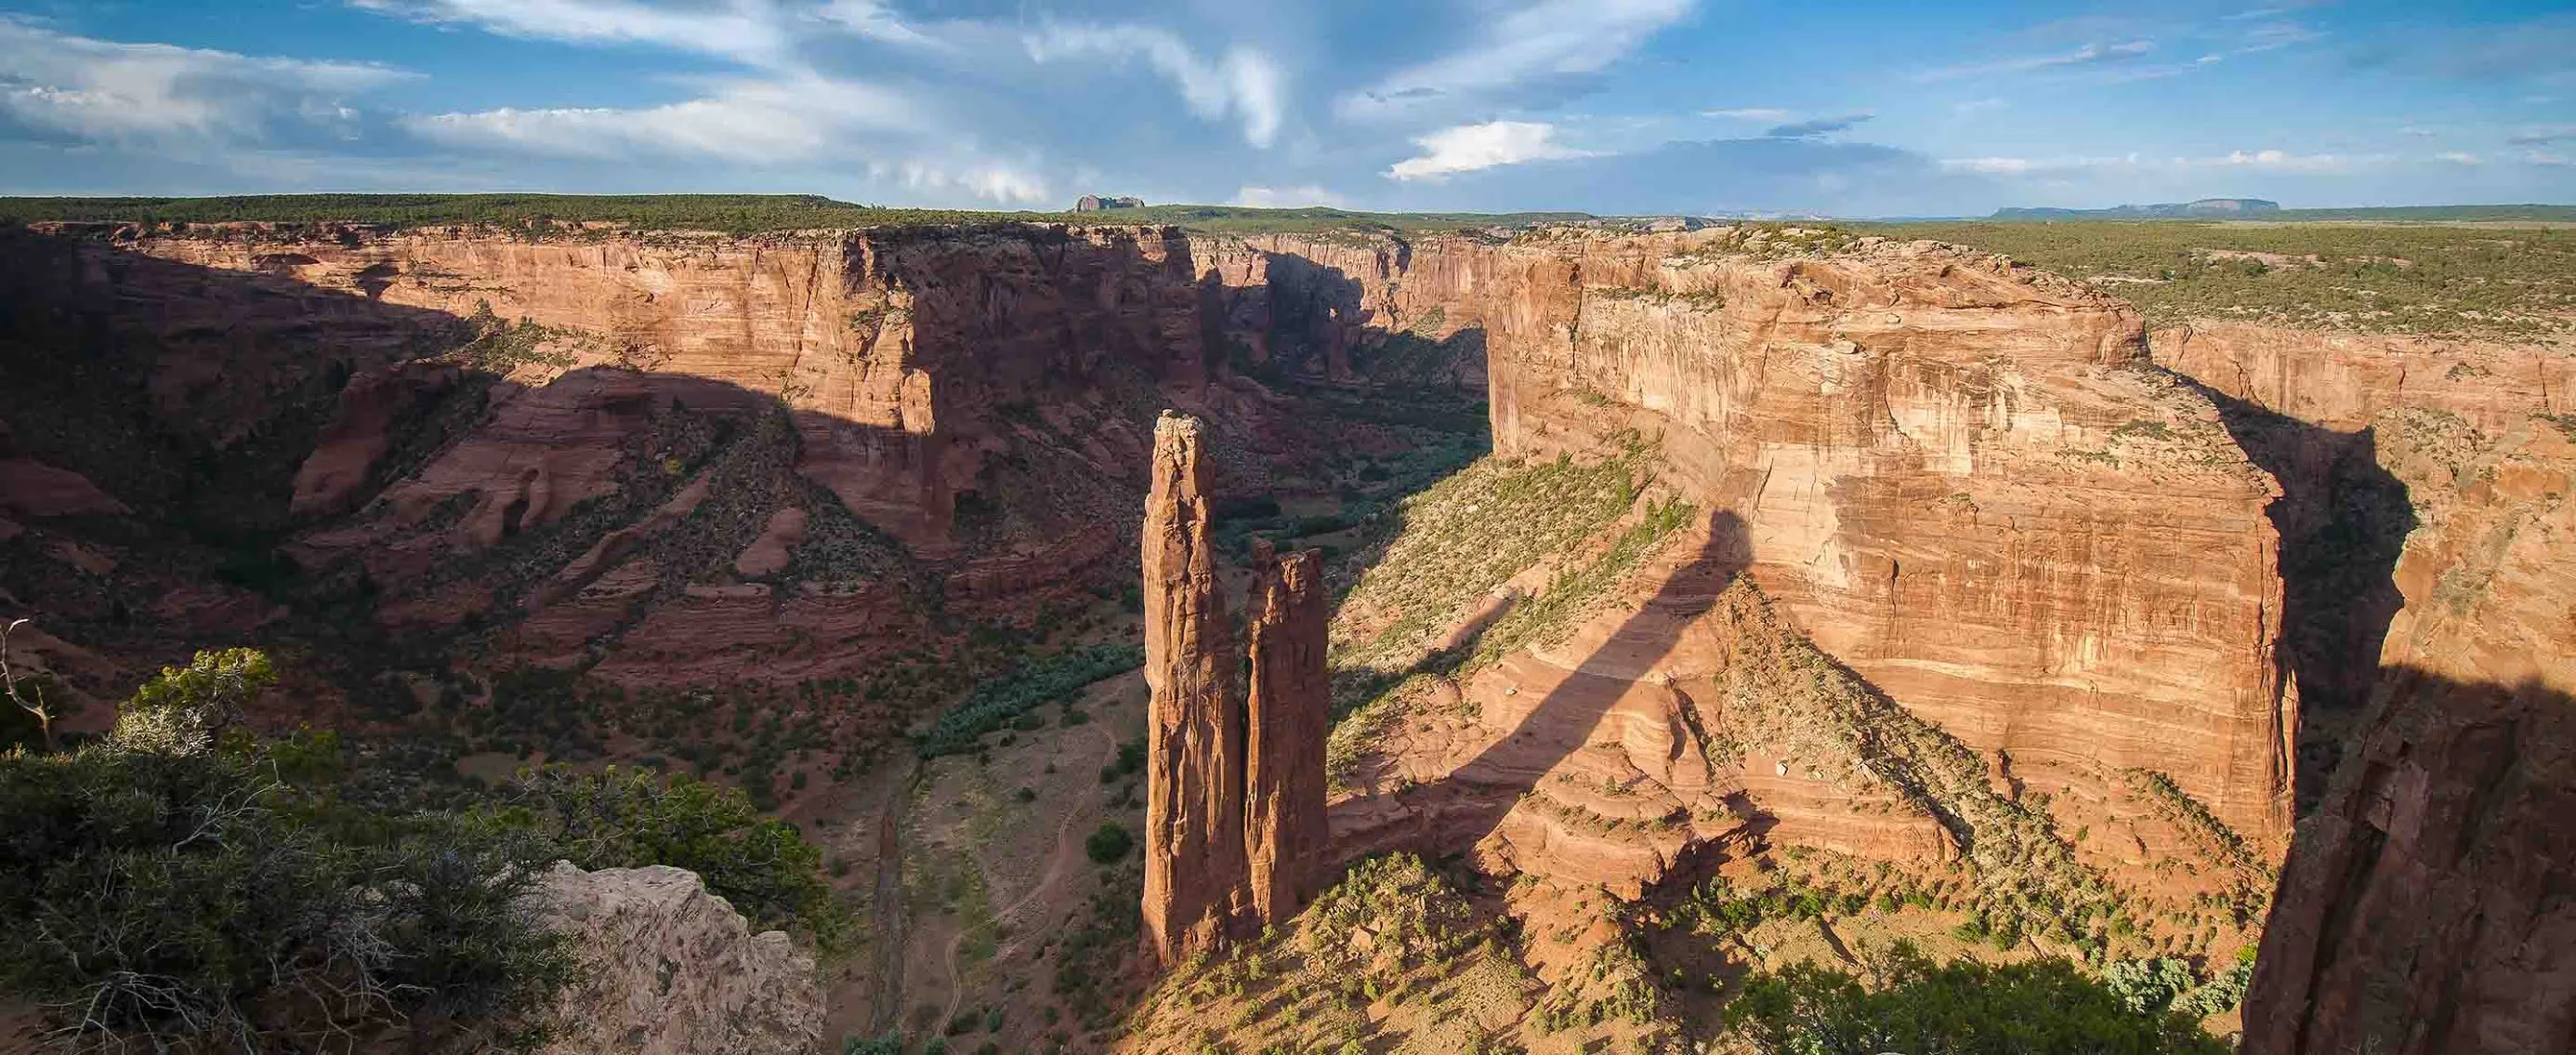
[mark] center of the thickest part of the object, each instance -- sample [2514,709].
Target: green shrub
[1108,844]
[191,900]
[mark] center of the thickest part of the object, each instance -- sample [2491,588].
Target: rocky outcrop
[1194,807]
[1289,710]
[29,487]
[669,969]
[361,432]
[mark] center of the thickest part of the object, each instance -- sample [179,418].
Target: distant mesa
[1096,203]
[2205,207]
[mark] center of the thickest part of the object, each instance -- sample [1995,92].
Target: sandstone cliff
[1194,763]
[672,970]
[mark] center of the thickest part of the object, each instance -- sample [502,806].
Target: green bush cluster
[627,818]
[167,892]
[996,704]
[1906,1002]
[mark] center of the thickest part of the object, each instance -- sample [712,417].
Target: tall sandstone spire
[1194,861]
[1290,708]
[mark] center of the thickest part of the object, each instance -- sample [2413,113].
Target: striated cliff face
[1194,747]
[1959,478]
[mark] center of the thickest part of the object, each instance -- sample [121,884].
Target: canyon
[1898,555]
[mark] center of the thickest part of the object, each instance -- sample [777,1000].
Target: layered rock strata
[1289,705]
[1195,869]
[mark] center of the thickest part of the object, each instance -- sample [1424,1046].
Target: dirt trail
[1059,864]
[890,915]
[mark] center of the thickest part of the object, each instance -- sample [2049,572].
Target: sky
[1711,107]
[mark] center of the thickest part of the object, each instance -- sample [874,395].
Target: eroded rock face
[1194,751]
[672,970]
[1289,710]
[2423,906]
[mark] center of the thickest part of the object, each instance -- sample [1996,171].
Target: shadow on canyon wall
[2425,906]
[1478,794]
[2343,522]
[195,393]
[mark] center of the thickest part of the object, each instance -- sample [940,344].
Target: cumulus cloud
[83,89]
[1467,148]
[1244,82]
[1298,197]
[2088,55]
[1549,39]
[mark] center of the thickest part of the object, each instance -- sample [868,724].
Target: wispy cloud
[758,121]
[1818,126]
[1467,148]
[93,90]
[1298,197]
[1748,113]
[747,30]
[1244,82]
[2088,55]
[2540,134]
[1550,38]
[2250,160]
[2459,157]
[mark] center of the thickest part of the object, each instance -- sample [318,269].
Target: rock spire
[1290,711]
[1234,813]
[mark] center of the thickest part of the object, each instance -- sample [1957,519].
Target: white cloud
[2459,157]
[1298,197]
[1990,166]
[872,19]
[2548,160]
[1244,83]
[987,180]
[2088,55]
[1546,38]
[1978,106]
[762,121]
[2540,134]
[106,91]
[747,30]
[2419,130]
[1467,148]
[1763,114]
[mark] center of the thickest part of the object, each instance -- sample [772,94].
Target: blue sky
[1615,106]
